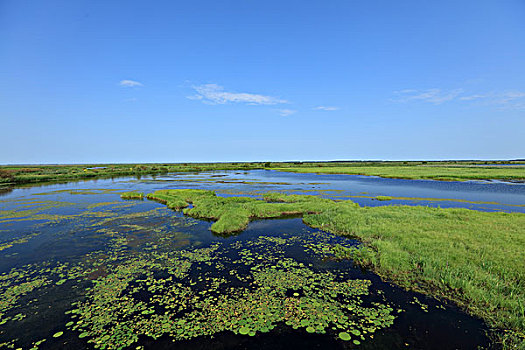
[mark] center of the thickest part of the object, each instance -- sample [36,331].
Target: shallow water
[478,195]
[66,248]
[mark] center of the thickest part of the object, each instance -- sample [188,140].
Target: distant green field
[446,170]
[433,172]
[14,175]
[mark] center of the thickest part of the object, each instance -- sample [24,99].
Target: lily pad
[344,336]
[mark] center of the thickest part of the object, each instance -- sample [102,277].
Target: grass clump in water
[132,195]
[383,198]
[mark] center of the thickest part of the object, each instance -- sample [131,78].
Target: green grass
[475,259]
[232,214]
[132,195]
[383,198]
[445,172]
[15,175]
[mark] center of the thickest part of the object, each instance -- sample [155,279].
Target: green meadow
[444,170]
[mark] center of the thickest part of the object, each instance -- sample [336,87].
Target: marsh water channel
[82,268]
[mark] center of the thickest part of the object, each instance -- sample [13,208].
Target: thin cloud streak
[327,108]
[507,99]
[286,112]
[130,83]
[435,96]
[215,94]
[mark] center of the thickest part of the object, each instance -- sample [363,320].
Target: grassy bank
[475,259]
[446,172]
[15,175]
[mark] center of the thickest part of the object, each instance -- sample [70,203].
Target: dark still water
[81,268]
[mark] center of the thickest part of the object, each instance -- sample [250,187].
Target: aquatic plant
[114,316]
[132,195]
[245,288]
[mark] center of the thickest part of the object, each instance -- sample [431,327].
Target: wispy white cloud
[286,112]
[435,96]
[327,108]
[506,99]
[130,83]
[215,94]
[473,97]
[510,99]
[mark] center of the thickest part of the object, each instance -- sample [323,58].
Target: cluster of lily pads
[246,288]
[201,292]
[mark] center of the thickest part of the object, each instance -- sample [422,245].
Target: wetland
[262,259]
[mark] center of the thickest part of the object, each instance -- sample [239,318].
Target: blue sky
[182,81]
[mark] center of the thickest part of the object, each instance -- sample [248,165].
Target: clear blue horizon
[205,81]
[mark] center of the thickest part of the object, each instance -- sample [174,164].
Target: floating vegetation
[190,301]
[423,307]
[383,198]
[81,191]
[132,195]
[24,210]
[246,287]
[13,242]
[344,336]
[105,204]
[335,252]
